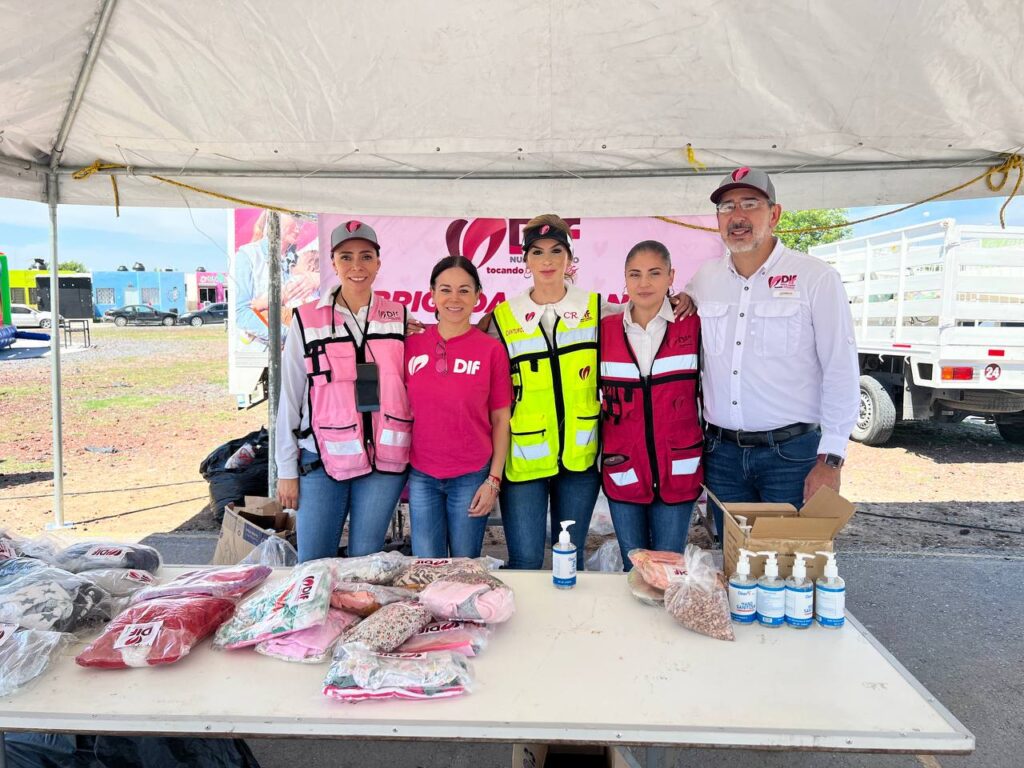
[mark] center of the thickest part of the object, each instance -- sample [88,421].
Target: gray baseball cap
[745,177]
[353,230]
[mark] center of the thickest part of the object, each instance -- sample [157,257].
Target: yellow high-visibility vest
[556,410]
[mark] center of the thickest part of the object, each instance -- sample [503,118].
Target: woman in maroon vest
[652,440]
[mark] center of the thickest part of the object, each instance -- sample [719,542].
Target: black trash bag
[52,750]
[229,486]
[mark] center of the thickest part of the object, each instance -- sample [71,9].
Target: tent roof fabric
[510,108]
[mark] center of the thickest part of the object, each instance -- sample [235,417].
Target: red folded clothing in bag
[155,632]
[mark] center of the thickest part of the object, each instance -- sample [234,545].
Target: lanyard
[362,330]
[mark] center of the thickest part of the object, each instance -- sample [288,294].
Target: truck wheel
[1012,433]
[877,415]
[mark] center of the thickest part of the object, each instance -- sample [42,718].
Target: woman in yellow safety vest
[551,335]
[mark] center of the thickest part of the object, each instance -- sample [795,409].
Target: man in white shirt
[779,364]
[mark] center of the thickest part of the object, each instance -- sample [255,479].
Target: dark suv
[211,313]
[139,314]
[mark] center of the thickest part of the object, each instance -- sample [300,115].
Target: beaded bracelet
[493,482]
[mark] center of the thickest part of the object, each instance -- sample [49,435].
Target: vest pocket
[530,450]
[683,472]
[394,439]
[586,431]
[340,441]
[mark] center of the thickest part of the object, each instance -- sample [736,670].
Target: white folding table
[589,665]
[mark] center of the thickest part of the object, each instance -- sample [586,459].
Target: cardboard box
[246,527]
[784,529]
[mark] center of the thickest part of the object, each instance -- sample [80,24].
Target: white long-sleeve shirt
[778,347]
[646,341]
[293,405]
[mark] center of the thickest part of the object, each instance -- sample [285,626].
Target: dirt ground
[144,406]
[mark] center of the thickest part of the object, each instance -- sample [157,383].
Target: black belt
[758,439]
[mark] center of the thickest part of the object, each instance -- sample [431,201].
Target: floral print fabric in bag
[388,628]
[358,674]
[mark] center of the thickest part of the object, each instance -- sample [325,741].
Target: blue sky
[184,240]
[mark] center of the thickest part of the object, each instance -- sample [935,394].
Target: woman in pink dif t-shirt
[460,392]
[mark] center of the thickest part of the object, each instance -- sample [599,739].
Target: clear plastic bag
[313,645]
[25,654]
[601,522]
[388,628]
[290,605]
[657,568]
[88,555]
[606,558]
[363,599]
[357,674]
[698,599]
[378,568]
[419,572]
[274,551]
[469,596]
[155,632]
[36,595]
[121,582]
[223,581]
[45,547]
[456,636]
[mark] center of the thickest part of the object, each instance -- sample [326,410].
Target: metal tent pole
[55,394]
[274,340]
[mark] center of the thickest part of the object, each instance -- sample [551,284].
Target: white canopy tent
[502,109]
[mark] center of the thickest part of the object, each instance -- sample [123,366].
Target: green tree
[815,217]
[71,266]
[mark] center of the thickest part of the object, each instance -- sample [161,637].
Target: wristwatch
[831,460]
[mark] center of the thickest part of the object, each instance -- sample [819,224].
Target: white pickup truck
[939,316]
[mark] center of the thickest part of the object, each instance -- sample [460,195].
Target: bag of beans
[698,599]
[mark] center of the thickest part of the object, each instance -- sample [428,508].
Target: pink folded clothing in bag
[469,597]
[229,581]
[457,636]
[358,674]
[312,645]
[363,599]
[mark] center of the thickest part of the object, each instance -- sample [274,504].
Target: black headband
[545,232]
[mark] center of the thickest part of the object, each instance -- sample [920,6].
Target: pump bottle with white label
[743,591]
[563,559]
[771,594]
[830,595]
[799,595]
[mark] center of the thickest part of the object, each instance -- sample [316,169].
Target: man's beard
[756,240]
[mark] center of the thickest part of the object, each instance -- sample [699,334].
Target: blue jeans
[771,473]
[324,503]
[524,508]
[658,526]
[441,525]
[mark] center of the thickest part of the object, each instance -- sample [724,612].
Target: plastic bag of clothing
[606,558]
[274,551]
[36,595]
[231,486]
[89,555]
[456,636]
[698,600]
[420,572]
[378,568]
[25,654]
[357,674]
[658,568]
[53,750]
[363,599]
[289,605]
[309,646]
[226,581]
[469,596]
[154,632]
[388,628]
[45,547]
[121,582]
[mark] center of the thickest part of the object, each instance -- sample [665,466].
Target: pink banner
[410,246]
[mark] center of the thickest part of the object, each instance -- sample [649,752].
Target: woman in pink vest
[461,395]
[652,441]
[344,424]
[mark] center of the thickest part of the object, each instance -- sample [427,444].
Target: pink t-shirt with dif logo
[453,387]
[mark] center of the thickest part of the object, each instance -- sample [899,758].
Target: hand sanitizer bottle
[830,595]
[743,591]
[771,594]
[799,595]
[563,559]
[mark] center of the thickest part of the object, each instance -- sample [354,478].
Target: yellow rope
[691,158]
[1011,162]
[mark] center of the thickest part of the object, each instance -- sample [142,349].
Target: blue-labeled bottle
[771,594]
[563,559]
[743,591]
[799,595]
[830,595]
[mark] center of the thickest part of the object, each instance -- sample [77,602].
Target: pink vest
[650,431]
[351,443]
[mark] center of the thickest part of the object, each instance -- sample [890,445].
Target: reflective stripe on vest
[551,433]
[331,356]
[651,434]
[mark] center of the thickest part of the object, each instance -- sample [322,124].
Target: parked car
[211,313]
[24,316]
[139,314]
